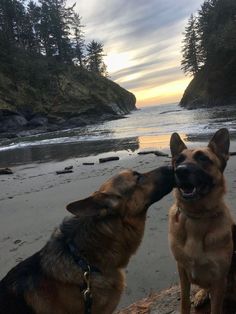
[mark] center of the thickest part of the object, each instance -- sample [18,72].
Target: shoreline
[33,202]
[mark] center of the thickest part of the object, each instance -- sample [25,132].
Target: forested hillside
[48,70]
[209,54]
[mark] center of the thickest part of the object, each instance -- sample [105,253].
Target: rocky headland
[79,98]
[209,88]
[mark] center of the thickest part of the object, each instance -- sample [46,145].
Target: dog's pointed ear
[97,205]
[176,145]
[219,144]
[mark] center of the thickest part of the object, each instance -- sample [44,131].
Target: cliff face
[211,87]
[74,97]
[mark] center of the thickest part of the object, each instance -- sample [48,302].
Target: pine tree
[78,42]
[190,62]
[33,16]
[46,32]
[94,58]
[54,28]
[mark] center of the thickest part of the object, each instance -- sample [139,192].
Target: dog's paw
[201,298]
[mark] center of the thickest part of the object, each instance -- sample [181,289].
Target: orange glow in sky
[162,94]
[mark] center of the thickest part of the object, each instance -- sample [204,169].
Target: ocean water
[147,128]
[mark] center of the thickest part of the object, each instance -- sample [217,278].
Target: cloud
[146,35]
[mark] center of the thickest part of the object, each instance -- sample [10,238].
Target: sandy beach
[33,201]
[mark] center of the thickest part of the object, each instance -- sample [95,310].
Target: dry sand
[33,201]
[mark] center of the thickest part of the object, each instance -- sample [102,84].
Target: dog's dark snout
[182,171]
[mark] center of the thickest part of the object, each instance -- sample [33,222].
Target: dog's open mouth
[188,191]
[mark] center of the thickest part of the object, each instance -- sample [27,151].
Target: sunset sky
[142,40]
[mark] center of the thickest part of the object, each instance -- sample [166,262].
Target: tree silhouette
[190,62]
[95,56]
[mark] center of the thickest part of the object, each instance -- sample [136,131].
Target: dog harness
[87,270]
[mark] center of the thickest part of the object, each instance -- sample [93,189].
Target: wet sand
[33,201]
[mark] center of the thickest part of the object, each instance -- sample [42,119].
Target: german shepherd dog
[88,251]
[200,224]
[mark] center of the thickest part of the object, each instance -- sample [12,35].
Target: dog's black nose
[182,171]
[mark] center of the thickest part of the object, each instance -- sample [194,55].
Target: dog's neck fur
[107,244]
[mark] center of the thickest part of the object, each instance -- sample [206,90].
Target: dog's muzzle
[192,181]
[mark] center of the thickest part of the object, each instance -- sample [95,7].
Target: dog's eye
[202,158]
[179,159]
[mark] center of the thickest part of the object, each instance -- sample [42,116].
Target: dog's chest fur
[202,248]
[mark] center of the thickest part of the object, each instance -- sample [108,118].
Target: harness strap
[87,270]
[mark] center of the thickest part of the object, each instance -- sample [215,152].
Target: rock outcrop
[80,98]
[209,88]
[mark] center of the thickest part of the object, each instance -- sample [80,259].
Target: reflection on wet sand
[60,152]
[156,141]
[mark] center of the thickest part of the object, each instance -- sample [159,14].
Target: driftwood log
[167,302]
[6,171]
[155,152]
[88,163]
[102,160]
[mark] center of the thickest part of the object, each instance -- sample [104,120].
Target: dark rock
[75,122]
[7,113]
[38,121]
[8,135]
[209,88]
[6,171]
[55,120]
[12,122]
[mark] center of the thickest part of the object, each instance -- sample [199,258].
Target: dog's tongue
[188,191]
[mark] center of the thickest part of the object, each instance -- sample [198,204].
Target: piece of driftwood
[155,152]
[88,163]
[64,171]
[161,154]
[167,302]
[6,171]
[232,153]
[102,160]
[68,168]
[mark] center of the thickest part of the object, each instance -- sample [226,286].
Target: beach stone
[6,171]
[13,122]
[75,122]
[38,121]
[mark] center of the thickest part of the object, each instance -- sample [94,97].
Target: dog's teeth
[188,193]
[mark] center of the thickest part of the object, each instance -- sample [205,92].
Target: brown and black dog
[200,224]
[105,231]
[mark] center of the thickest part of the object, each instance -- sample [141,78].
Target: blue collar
[81,261]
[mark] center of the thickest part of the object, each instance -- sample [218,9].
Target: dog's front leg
[217,293]
[185,291]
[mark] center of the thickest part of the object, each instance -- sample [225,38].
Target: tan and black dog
[200,224]
[86,254]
